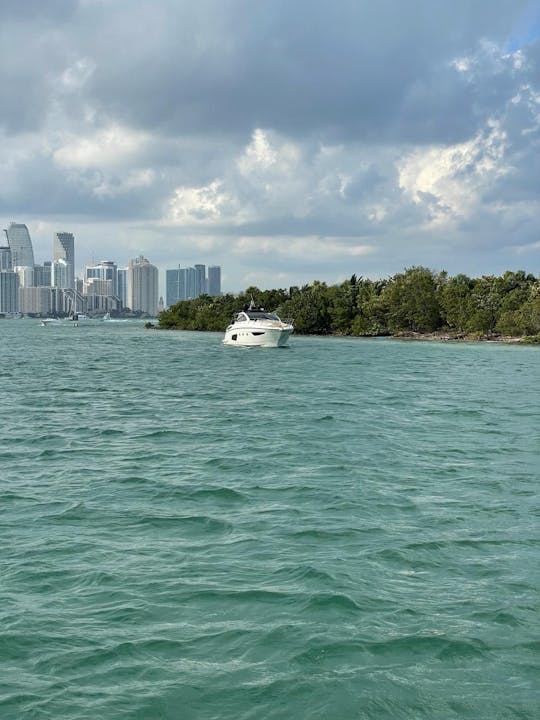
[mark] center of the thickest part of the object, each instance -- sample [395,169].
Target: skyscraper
[190,282]
[105,270]
[172,292]
[121,275]
[5,258]
[200,280]
[42,274]
[61,274]
[20,244]
[214,280]
[64,249]
[143,286]
[9,291]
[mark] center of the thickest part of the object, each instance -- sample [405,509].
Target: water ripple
[345,530]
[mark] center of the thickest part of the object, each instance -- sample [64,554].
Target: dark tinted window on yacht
[262,315]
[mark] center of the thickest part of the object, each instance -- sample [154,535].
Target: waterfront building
[101,286]
[20,245]
[189,282]
[143,286]
[172,290]
[181,284]
[5,258]
[97,286]
[42,274]
[26,275]
[64,250]
[200,280]
[61,275]
[121,277]
[105,270]
[35,300]
[9,291]
[99,296]
[214,280]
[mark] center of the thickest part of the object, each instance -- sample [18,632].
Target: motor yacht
[254,327]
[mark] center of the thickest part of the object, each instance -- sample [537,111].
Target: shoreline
[463,337]
[439,336]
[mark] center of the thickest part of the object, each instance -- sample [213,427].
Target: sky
[285,140]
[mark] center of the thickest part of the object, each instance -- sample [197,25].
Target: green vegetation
[417,300]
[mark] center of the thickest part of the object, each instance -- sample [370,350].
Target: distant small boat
[46,322]
[106,317]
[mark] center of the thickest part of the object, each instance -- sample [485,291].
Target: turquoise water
[341,529]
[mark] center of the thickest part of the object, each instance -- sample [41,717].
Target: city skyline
[45,255]
[53,287]
[377,138]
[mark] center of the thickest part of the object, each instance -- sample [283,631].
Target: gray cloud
[410,129]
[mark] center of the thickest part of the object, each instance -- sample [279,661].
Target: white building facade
[143,290]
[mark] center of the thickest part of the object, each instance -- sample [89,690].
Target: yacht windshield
[258,315]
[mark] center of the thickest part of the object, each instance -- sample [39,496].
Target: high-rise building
[61,275]
[190,282]
[121,275]
[26,275]
[200,280]
[42,274]
[105,270]
[214,280]
[35,300]
[5,258]
[172,290]
[64,249]
[20,244]
[9,291]
[99,295]
[143,286]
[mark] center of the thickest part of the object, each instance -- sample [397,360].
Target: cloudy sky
[285,140]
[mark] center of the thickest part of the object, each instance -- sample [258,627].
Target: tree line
[417,300]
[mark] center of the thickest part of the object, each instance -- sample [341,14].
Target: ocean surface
[344,528]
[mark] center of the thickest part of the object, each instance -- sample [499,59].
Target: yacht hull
[257,337]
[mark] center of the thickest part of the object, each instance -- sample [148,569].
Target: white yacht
[254,327]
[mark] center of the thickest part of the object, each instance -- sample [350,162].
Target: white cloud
[264,158]
[449,181]
[206,204]
[110,147]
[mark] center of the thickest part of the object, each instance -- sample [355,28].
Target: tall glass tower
[64,249]
[9,291]
[214,280]
[172,290]
[20,244]
[200,280]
